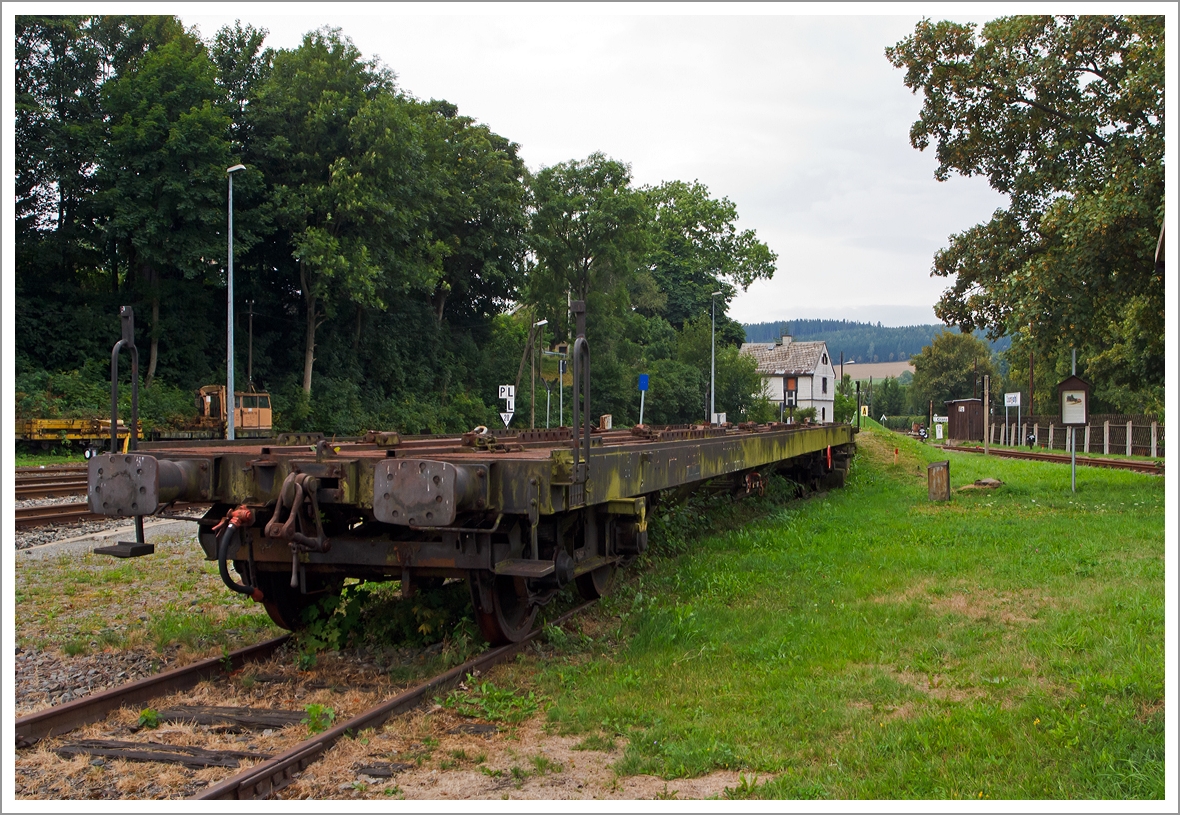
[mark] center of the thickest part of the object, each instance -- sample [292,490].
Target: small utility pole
[1073,447]
[987,436]
[250,352]
[1031,404]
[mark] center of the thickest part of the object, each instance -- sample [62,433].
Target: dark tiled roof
[793,358]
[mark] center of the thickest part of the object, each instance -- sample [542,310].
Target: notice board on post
[1074,393]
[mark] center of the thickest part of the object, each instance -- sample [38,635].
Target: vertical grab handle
[127,316]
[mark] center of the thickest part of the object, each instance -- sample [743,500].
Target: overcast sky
[799,120]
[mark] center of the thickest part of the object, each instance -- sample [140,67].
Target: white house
[804,365]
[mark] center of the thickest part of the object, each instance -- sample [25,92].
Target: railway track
[58,471]
[50,487]
[28,517]
[1153,467]
[274,773]
[63,718]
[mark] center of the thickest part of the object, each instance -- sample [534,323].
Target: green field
[871,644]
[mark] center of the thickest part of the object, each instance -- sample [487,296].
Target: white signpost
[939,421]
[1011,400]
[508,394]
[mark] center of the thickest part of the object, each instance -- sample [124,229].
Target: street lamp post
[229,350]
[713,364]
[533,388]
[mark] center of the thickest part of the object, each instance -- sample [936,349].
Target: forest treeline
[859,341]
[397,255]
[394,253]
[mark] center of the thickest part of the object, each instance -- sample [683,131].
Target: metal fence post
[1129,430]
[1154,438]
[1086,443]
[1106,437]
[1050,435]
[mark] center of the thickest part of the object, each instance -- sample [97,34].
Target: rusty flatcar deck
[517,514]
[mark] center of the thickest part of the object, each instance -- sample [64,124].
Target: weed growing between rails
[376,615]
[1004,644]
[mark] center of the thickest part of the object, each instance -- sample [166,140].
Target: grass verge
[1005,644]
[174,599]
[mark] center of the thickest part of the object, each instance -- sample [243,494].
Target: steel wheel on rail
[286,605]
[502,608]
[597,583]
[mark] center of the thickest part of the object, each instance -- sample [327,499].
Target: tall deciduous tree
[1065,116]
[947,369]
[58,129]
[478,212]
[588,230]
[345,165]
[697,249]
[163,166]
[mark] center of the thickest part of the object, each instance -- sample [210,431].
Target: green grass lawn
[872,644]
[35,457]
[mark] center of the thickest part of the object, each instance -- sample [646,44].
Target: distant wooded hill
[863,342]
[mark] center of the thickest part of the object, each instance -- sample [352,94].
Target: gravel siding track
[46,676]
[91,530]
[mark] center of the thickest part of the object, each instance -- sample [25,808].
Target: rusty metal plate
[123,484]
[416,492]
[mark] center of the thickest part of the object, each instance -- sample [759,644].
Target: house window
[824,382]
[823,414]
[825,359]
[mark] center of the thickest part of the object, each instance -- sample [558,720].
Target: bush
[805,414]
[903,423]
[85,393]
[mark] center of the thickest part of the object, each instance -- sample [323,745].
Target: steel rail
[45,488]
[64,718]
[1155,467]
[274,774]
[53,513]
[27,517]
[55,471]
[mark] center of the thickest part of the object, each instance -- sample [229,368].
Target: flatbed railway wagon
[518,515]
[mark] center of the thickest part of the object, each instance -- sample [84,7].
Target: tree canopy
[950,367]
[1065,116]
[390,253]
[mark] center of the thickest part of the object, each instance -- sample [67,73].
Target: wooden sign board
[1074,393]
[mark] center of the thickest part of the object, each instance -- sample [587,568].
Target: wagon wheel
[595,584]
[285,605]
[511,615]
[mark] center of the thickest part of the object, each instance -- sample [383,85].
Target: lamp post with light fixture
[713,364]
[533,388]
[229,278]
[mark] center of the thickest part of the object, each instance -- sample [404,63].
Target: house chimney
[786,340]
